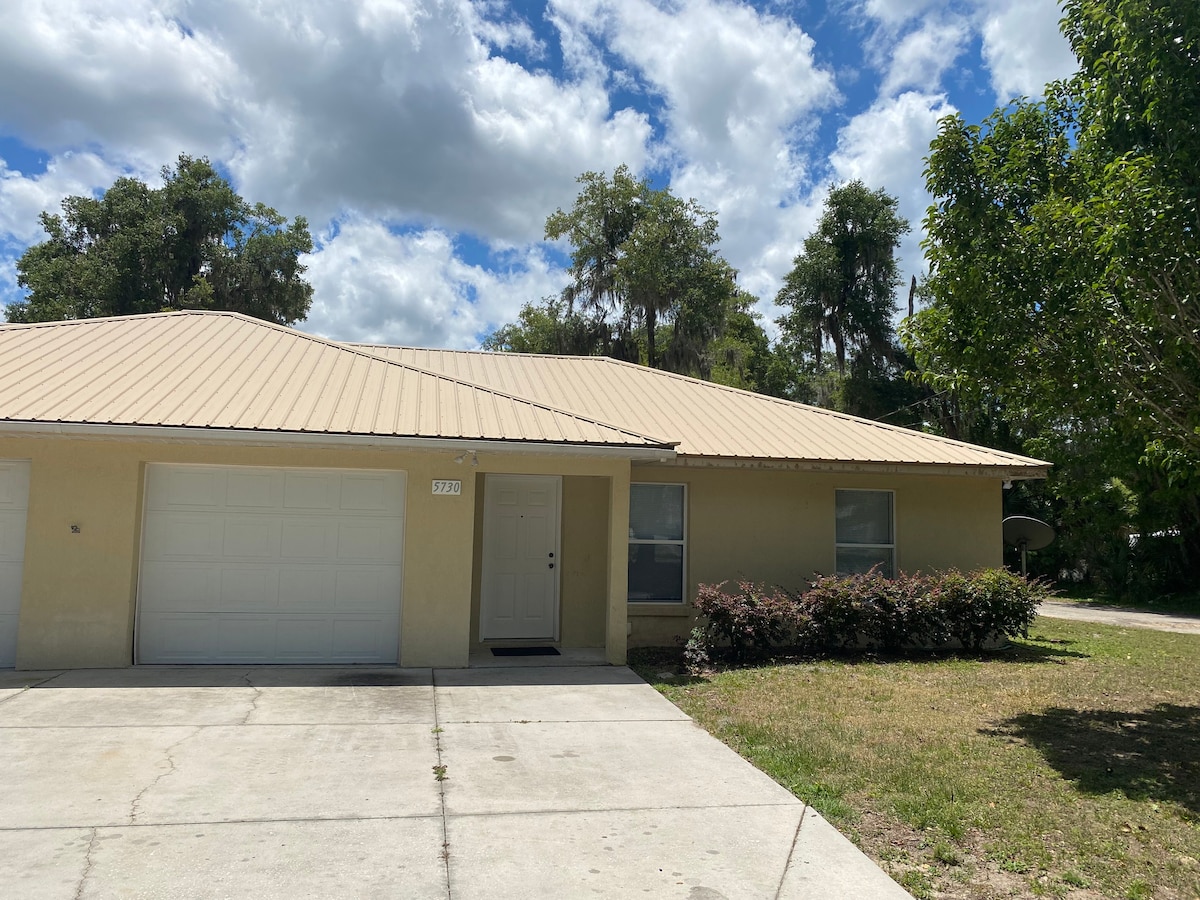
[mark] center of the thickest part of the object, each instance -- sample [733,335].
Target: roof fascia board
[246,437]
[1006,471]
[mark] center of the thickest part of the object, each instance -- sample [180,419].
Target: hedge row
[864,611]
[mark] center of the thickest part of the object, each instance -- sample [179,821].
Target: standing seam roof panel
[712,420]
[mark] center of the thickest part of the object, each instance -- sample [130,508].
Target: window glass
[860,560]
[864,533]
[656,573]
[656,543]
[656,512]
[864,517]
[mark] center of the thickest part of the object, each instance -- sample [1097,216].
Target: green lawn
[1066,765]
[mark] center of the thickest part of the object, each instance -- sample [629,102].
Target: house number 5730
[448,488]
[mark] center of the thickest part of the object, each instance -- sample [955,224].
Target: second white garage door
[14,501]
[265,565]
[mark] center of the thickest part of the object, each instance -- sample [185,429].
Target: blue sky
[426,142]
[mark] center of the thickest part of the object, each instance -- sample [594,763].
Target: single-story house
[203,487]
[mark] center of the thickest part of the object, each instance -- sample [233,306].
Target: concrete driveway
[1123,616]
[480,783]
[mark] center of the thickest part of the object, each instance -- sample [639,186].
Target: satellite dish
[1027,534]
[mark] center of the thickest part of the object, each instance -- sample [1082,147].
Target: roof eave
[1032,470]
[264,438]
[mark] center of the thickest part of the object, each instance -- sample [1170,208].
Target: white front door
[14,501]
[519,583]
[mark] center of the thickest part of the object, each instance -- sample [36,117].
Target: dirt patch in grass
[1066,766]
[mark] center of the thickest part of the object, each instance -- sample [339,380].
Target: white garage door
[260,565]
[14,501]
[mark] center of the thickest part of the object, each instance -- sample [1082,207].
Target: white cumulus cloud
[920,58]
[1023,47]
[885,146]
[373,284]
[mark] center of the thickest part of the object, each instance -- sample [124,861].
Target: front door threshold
[482,658]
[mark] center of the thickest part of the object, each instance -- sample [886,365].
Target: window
[865,533]
[656,543]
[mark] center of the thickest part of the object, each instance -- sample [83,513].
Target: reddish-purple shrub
[870,610]
[753,618]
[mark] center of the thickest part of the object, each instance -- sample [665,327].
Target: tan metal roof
[708,420]
[224,371]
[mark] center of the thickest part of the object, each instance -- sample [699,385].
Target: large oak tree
[192,243]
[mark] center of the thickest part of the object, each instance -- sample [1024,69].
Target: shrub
[989,603]
[919,610]
[752,619]
[849,611]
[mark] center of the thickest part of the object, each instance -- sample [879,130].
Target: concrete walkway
[327,783]
[1120,615]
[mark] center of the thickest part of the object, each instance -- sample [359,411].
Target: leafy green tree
[842,288]
[550,327]
[838,347]
[647,257]
[193,243]
[1064,255]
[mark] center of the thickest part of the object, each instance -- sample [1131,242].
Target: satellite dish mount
[1027,534]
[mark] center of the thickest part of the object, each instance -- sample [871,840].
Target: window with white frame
[866,535]
[657,538]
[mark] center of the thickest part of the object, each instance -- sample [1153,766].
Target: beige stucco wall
[584,561]
[79,592]
[778,527]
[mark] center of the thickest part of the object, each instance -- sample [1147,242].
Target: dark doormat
[525,651]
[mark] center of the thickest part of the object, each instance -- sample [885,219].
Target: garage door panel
[14,502]
[368,540]
[299,638]
[12,535]
[250,537]
[310,490]
[246,638]
[179,637]
[182,536]
[309,539]
[306,580]
[254,490]
[367,492]
[366,590]
[306,587]
[249,588]
[361,540]
[192,487]
[357,640]
[176,587]
[8,640]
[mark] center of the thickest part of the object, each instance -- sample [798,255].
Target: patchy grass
[1067,765]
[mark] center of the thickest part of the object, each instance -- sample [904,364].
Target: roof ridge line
[479,352]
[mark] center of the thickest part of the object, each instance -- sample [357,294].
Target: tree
[837,345]
[648,257]
[841,290]
[193,243]
[1064,279]
[550,327]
